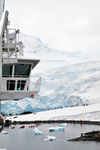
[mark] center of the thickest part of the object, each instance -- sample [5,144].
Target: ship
[15,70]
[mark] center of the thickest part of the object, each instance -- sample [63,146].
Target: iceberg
[4,132]
[50,138]
[37,131]
[53,129]
[3,149]
[63,125]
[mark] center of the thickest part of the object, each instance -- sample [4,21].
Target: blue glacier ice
[3,132]
[50,138]
[37,131]
[54,129]
[63,125]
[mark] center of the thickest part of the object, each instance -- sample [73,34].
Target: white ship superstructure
[14,70]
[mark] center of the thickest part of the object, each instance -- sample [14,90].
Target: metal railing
[35,83]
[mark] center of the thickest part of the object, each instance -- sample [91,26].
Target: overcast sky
[62,24]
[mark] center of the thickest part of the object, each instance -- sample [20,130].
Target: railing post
[7,43]
[15,45]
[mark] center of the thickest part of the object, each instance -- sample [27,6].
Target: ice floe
[3,132]
[50,138]
[63,125]
[53,129]
[37,131]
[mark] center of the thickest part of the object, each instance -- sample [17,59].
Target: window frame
[11,85]
[10,70]
[21,85]
[20,74]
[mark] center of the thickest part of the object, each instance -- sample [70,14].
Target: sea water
[25,138]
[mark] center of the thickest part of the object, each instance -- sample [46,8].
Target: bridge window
[10,84]
[22,70]
[21,84]
[7,70]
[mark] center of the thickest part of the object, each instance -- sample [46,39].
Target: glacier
[69,78]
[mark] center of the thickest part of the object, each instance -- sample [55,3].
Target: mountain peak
[33,44]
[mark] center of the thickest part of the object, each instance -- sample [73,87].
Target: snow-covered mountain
[32,44]
[69,78]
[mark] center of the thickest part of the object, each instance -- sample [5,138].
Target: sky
[62,24]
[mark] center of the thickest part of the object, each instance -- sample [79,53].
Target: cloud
[63,24]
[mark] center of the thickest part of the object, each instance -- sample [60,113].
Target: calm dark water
[25,139]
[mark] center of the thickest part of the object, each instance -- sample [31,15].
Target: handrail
[37,84]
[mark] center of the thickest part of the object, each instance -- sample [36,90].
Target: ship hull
[17,95]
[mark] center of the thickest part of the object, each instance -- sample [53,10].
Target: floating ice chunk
[63,125]
[4,132]
[3,149]
[53,129]
[50,138]
[37,131]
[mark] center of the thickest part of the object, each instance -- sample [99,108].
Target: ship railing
[35,83]
[9,43]
[11,46]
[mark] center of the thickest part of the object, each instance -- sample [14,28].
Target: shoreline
[77,115]
[58,121]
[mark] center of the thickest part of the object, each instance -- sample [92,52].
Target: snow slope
[86,113]
[69,78]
